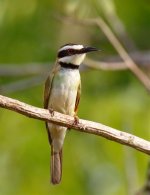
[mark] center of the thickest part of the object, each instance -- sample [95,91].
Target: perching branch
[83,125]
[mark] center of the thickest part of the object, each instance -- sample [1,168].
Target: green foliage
[92,165]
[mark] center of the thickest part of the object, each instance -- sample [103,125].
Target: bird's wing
[48,84]
[47,92]
[47,89]
[78,98]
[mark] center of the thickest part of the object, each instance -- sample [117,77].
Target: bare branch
[100,65]
[123,54]
[107,63]
[22,84]
[83,125]
[23,70]
[110,13]
[142,58]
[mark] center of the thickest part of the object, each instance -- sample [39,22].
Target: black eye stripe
[62,53]
[69,52]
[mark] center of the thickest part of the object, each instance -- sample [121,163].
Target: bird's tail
[56,166]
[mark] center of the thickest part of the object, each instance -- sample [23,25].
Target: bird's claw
[76,120]
[51,111]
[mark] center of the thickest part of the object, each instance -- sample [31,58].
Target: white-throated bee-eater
[62,94]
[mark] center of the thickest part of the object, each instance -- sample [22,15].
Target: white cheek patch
[66,59]
[79,59]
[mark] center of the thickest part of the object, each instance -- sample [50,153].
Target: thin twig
[83,125]
[26,69]
[107,63]
[112,18]
[100,65]
[22,84]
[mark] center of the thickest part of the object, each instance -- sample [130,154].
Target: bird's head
[73,53]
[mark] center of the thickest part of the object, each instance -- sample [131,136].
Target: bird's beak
[89,49]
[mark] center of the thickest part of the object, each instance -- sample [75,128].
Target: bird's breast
[64,91]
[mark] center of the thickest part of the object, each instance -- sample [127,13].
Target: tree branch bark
[83,125]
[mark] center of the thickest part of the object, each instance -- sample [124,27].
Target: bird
[62,94]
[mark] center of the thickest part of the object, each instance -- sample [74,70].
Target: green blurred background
[29,33]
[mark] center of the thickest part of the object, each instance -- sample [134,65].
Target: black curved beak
[89,49]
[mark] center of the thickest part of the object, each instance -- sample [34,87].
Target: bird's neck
[69,65]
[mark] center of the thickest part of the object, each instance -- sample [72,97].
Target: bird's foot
[51,111]
[76,120]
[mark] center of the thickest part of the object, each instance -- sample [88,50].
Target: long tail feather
[56,167]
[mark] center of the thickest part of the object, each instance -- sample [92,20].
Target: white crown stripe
[76,47]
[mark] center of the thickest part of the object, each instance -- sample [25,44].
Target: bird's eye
[70,51]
